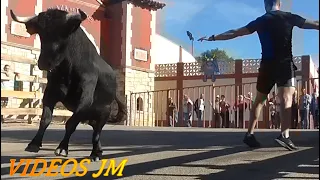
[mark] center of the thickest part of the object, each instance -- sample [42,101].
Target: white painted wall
[4,19]
[37,10]
[313,72]
[127,23]
[166,51]
[91,38]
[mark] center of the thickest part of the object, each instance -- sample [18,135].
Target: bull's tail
[122,112]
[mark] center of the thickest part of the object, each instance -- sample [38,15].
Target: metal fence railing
[225,106]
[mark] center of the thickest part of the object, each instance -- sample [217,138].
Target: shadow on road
[159,141]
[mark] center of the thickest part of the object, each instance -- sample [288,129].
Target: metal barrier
[312,88]
[153,108]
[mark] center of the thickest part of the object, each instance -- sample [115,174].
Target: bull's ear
[30,22]
[74,21]
[32,28]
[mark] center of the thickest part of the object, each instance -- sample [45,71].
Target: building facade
[122,31]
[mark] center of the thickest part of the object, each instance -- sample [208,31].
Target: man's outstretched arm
[231,34]
[309,24]
[303,23]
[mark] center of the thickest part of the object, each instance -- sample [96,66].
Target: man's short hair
[271,2]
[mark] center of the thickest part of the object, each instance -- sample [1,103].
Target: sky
[207,17]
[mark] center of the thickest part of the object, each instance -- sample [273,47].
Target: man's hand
[204,38]
[17,74]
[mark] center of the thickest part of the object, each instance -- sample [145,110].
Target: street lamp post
[189,34]
[192,47]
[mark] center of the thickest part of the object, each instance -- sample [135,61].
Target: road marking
[309,165]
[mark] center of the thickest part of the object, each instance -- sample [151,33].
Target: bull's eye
[55,47]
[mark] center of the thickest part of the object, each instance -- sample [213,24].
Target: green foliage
[219,55]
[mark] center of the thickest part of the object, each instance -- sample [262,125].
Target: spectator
[224,112]
[7,73]
[199,107]
[272,103]
[249,98]
[9,84]
[216,112]
[315,108]
[304,107]
[187,110]
[6,84]
[172,112]
[278,121]
[294,111]
[239,107]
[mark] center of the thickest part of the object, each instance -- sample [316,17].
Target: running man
[275,33]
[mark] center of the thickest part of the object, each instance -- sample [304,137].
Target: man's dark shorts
[281,73]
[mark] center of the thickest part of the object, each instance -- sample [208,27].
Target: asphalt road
[172,153]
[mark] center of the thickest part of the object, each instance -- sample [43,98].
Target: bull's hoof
[61,152]
[32,148]
[95,156]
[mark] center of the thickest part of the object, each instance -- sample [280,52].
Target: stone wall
[139,81]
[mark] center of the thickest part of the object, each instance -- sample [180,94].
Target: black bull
[77,76]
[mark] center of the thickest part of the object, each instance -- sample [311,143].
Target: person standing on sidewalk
[304,108]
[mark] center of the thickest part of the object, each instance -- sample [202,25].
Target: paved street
[173,153]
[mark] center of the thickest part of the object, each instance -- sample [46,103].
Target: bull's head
[55,28]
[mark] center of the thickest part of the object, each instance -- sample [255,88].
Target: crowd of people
[222,111]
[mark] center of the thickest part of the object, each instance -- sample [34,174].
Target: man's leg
[200,114]
[293,118]
[265,82]
[308,119]
[256,110]
[205,77]
[185,119]
[279,120]
[241,120]
[285,95]
[217,122]
[202,118]
[272,120]
[313,119]
[188,120]
[236,124]
[222,119]
[227,119]
[250,139]
[316,118]
[302,118]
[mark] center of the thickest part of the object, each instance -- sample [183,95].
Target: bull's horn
[101,3]
[82,15]
[21,19]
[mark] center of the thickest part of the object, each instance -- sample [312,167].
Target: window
[139,104]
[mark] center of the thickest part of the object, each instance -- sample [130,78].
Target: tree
[219,55]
